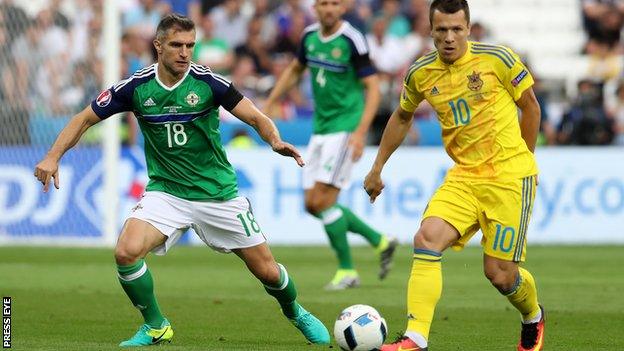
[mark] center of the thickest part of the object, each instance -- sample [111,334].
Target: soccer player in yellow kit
[476,90]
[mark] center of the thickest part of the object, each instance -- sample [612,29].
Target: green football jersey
[180,125]
[337,64]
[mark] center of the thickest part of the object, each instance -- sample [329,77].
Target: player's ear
[158,46]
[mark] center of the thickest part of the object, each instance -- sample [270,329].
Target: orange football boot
[403,343]
[532,335]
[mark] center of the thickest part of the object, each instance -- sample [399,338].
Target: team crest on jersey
[336,53]
[192,99]
[104,98]
[475,83]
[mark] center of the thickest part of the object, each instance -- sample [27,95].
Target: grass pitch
[69,299]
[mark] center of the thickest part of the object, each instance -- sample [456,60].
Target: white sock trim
[135,275]
[331,215]
[420,340]
[286,279]
[534,320]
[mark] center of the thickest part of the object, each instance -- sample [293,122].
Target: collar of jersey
[164,86]
[331,37]
[466,58]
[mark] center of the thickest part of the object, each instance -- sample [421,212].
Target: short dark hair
[173,20]
[449,6]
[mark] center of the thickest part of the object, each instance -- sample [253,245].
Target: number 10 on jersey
[461,112]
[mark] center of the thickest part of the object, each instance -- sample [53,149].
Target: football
[360,328]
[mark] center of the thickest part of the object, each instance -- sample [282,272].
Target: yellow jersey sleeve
[410,98]
[515,77]
[410,95]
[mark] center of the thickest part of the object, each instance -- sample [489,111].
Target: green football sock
[336,227]
[137,282]
[285,293]
[356,225]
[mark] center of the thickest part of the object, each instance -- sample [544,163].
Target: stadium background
[53,55]
[52,63]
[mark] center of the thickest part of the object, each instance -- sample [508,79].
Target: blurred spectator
[268,33]
[615,107]
[603,20]
[289,42]
[230,23]
[58,18]
[55,72]
[213,52]
[417,10]
[284,14]
[241,140]
[384,49]
[135,52]
[356,14]
[294,103]
[189,8]
[80,90]
[14,19]
[398,25]
[254,47]
[28,56]
[13,117]
[586,122]
[244,76]
[479,33]
[144,18]
[79,30]
[208,5]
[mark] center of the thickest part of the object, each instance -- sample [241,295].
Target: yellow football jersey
[475,102]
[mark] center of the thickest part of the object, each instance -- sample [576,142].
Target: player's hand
[45,171]
[373,185]
[285,149]
[356,144]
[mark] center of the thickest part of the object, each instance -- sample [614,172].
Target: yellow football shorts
[501,209]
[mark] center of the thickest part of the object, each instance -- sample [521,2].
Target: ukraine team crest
[475,83]
[192,99]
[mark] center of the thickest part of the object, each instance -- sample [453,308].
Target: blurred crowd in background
[51,61]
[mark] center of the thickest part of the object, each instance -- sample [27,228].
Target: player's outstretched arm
[371,104]
[530,119]
[290,76]
[399,124]
[67,138]
[247,112]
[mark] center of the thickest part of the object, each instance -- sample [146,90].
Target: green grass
[69,299]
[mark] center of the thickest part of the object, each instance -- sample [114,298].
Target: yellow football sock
[423,290]
[524,296]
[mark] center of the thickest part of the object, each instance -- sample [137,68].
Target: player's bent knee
[501,279]
[425,239]
[315,206]
[127,255]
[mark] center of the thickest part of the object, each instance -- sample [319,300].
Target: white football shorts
[328,160]
[223,226]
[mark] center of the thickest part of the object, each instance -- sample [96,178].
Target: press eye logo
[6,322]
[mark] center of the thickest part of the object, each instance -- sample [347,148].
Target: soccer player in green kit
[337,56]
[192,184]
